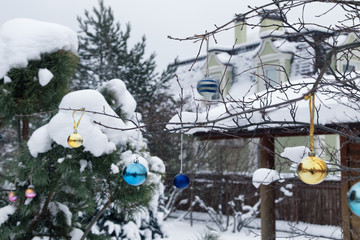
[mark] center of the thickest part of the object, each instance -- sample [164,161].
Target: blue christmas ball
[353,198]
[181,181]
[207,87]
[134,174]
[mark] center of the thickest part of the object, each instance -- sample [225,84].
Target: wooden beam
[350,157]
[282,131]
[345,213]
[267,192]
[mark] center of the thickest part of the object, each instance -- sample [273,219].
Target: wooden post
[345,214]
[267,192]
[350,157]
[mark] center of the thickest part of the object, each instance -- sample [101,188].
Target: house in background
[261,60]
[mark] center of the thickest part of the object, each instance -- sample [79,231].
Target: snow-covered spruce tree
[81,191]
[101,44]
[35,68]
[105,54]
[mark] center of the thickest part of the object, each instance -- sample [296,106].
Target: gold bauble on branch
[75,140]
[312,170]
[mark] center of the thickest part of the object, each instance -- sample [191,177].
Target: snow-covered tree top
[123,97]
[98,140]
[25,39]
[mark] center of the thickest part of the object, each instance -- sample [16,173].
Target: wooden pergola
[349,155]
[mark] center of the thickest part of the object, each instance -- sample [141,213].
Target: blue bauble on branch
[353,198]
[181,181]
[207,87]
[135,174]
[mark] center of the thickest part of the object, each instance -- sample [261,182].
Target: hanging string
[181,153]
[76,125]
[138,139]
[207,55]
[311,98]
[15,180]
[137,146]
[31,176]
[205,38]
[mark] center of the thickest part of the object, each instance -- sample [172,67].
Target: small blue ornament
[207,87]
[353,198]
[181,181]
[134,174]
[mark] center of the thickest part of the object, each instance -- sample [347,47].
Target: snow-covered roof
[332,107]
[240,58]
[231,114]
[25,39]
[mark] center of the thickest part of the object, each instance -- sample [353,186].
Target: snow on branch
[5,212]
[265,176]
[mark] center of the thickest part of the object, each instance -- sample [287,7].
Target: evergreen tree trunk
[37,219]
[93,221]
[18,129]
[25,128]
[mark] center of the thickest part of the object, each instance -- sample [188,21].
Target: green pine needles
[24,95]
[72,187]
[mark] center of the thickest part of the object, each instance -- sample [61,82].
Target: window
[271,76]
[348,68]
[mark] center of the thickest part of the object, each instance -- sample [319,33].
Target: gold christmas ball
[75,140]
[312,170]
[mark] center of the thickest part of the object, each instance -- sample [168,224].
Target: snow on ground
[181,230]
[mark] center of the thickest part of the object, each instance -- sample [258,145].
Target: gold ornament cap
[75,140]
[312,170]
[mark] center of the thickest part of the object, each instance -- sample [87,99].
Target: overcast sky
[156,19]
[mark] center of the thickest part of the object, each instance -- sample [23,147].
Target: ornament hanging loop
[207,55]
[181,153]
[32,170]
[76,125]
[205,38]
[311,169]
[15,180]
[311,98]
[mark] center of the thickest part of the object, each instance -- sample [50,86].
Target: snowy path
[181,230]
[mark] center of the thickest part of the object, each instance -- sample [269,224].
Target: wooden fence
[296,201]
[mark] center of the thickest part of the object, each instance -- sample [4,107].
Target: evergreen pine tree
[24,95]
[102,45]
[81,192]
[75,187]
[104,54]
